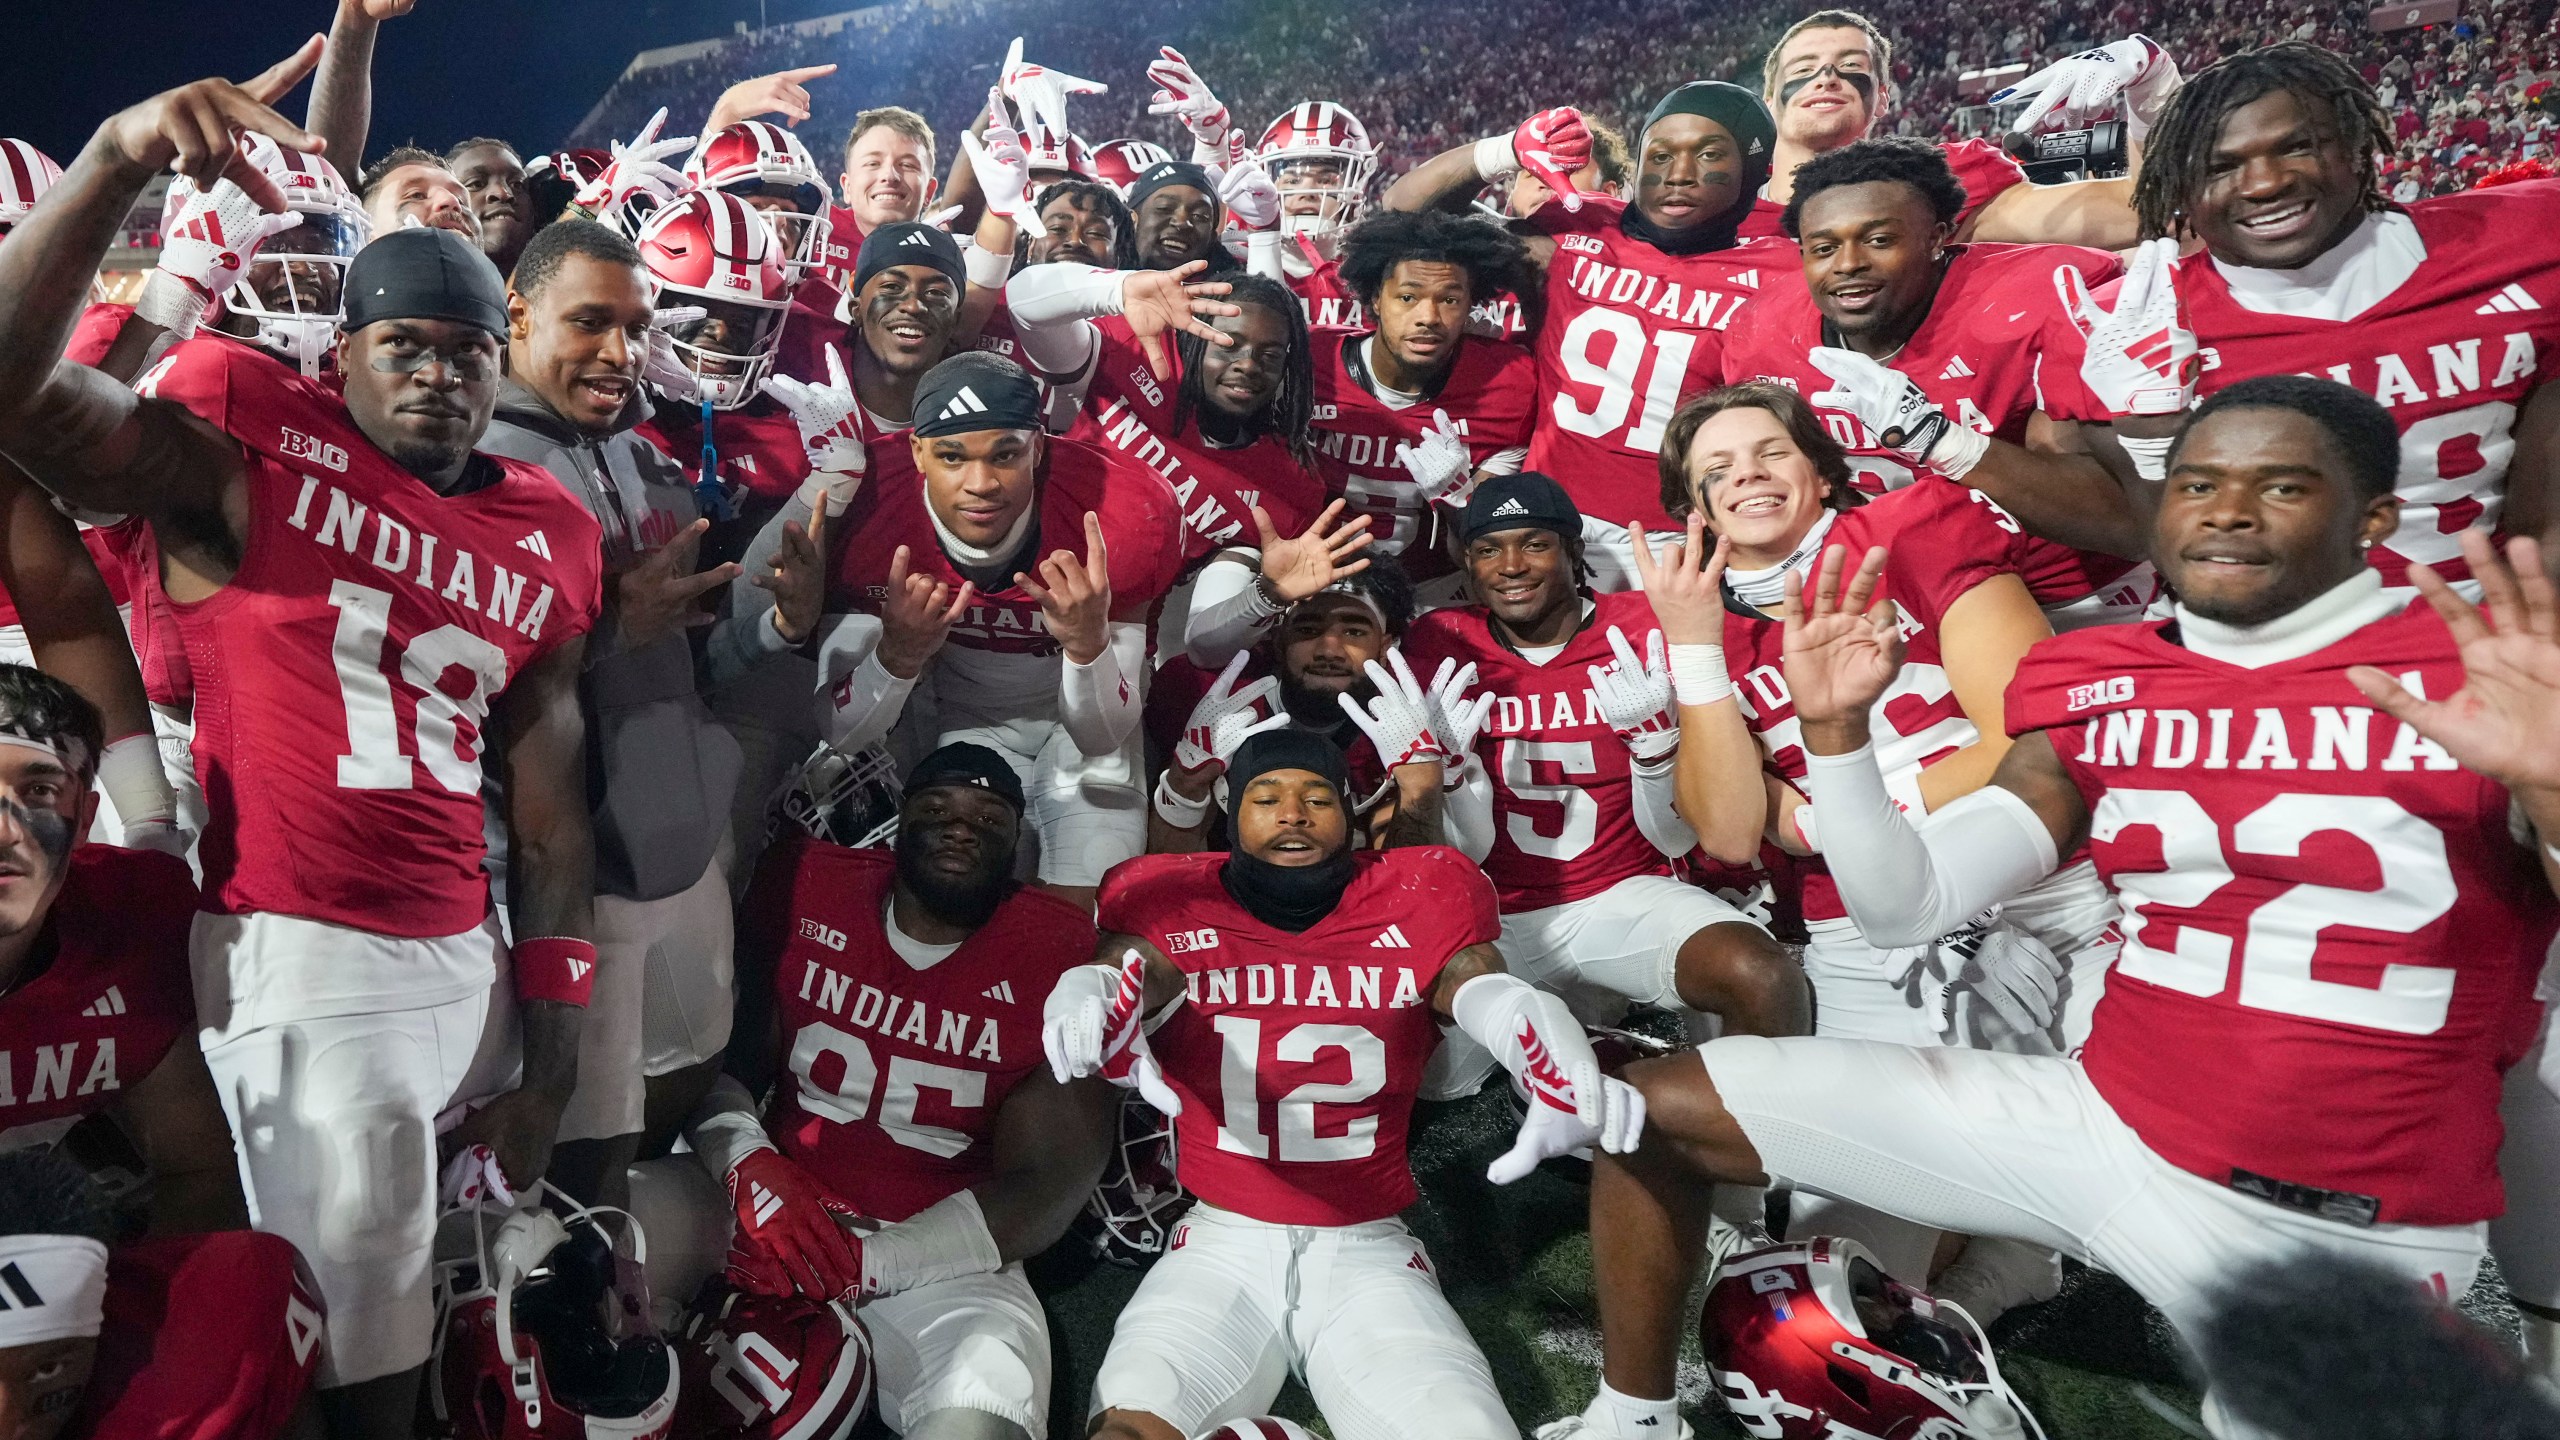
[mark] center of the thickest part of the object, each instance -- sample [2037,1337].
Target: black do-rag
[962,763]
[1171,172]
[425,273]
[1745,118]
[976,390]
[1285,897]
[908,242]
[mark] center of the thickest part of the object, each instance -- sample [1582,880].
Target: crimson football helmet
[1260,1427]
[294,292]
[768,167]
[543,1329]
[1814,1341]
[1053,154]
[1131,1214]
[850,800]
[712,250]
[25,174]
[1119,163]
[766,1368]
[1320,156]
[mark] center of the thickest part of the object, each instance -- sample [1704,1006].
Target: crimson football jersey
[754,449]
[2451,353]
[1627,334]
[1490,391]
[1328,302]
[893,1074]
[2330,933]
[1298,1056]
[1976,355]
[1215,488]
[1001,654]
[1178,685]
[159,648]
[1565,820]
[115,996]
[343,678]
[1985,169]
[1945,540]
[205,1337]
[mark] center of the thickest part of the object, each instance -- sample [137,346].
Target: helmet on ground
[850,800]
[1129,1218]
[773,1368]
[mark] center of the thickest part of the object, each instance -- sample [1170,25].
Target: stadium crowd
[630,776]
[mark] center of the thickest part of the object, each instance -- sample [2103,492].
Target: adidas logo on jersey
[767,1204]
[1510,507]
[964,403]
[1391,938]
[918,237]
[111,1003]
[1956,369]
[1001,990]
[536,542]
[2508,302]
[1748,280]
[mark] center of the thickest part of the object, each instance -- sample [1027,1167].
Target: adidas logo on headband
[1510,507]
[964,403]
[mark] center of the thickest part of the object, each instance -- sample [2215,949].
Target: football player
[1280,1000]
[1898,331]
[412,185]
[1638,293]
[1567,793]
[2447,311]
[1083,221]
[1830,78]
[354,639]
[891,1004]
[1413,410]
[1322,161]
[888,177]
[1176,212]
[493,180]
[2280,1062]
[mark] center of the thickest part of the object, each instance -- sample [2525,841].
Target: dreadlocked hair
[1086,195]
[1494,258]
[1292,407]
[2174,163]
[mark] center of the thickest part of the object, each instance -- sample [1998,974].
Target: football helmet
[25,174]
[1053,154]
[294,291]
[764,1368]
[1814,1341]
[1119,163]
[1130,1216]
[758,160]
[850,800]
[1320,156]
[543,1329]
[1260,1427]
[712,250]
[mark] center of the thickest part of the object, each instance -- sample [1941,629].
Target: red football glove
[787,1240]
[1551,145]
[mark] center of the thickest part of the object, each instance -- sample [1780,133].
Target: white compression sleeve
[130,774]
[858,699]
[1907,885]
[1229,612]
[1050,305]
[1100,703]
[1490,1010]
[723,1128]
[1466,811]
[943,1241]
[1657,813]
[1262,256]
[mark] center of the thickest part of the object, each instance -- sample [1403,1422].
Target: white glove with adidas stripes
[1894,409]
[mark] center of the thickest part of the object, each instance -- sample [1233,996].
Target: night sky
[525,70]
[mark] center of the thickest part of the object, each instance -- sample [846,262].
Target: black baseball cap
[425,273]
[1526,501]
[962,763]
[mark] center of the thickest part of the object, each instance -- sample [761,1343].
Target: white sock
[1625,1415]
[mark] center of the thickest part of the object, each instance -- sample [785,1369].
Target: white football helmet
[295,290]
[849,800]
[1321,158]
[25,174]
[754,159]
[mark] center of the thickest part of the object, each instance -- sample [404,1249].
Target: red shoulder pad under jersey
[1328,302]
[206,1337]
[896,1074]
[1342,1009]
[1987,172]
[344,677]
[1628,332]
[1214,489]
[2330,933]
[1563,782]
[1491,394]
[96,333]
[114,998]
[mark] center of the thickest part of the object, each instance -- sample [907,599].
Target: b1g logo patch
[1184,942]
[2114,690]
[298,446]
[833,939]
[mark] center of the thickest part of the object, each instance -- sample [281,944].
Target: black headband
[908,242]
[975,390]
[1171,172]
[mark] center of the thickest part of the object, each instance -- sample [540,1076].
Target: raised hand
[2081,89]
[1398,717]
[639,168]
[1042,92]
[210,239]
[1551,145]
[1633,693]
[1842,649]
[198,128]
[1246,189]
[916,616]
[1439,462]
[797,579]
[2504,722]
[1301,565]
[784,93]
[1181,93]
[1685,583]
[997,158]
[1223,719]
[661,594]
[1075,595]
[830,418]
[1158,302]
[2140,359]
[1890,404]
[1456,717]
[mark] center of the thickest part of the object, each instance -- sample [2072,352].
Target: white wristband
[724,1129]
[1495,159]
[944,1241]
[1804,829]
[986,269]
[1178,810]
[175,305]
[1959,449]
[1698,676]
[2149,454]
[129,772]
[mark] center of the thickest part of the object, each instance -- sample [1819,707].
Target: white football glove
[472,1180]
[1181,93]
[1040,92]
[1551,145]
[638,168]
[1568,1111]
[1398,720]
[216,236]
[1441,467]
[830,417]
[1895,410]
[998,160]
[663,367]
[1455,717]
[1092,1024]
[2013,972]
[1245,188]
[2140,358]
[1634,696]
[1227,716]
[2081,90]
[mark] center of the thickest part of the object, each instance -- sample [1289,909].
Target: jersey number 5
[848,1101]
